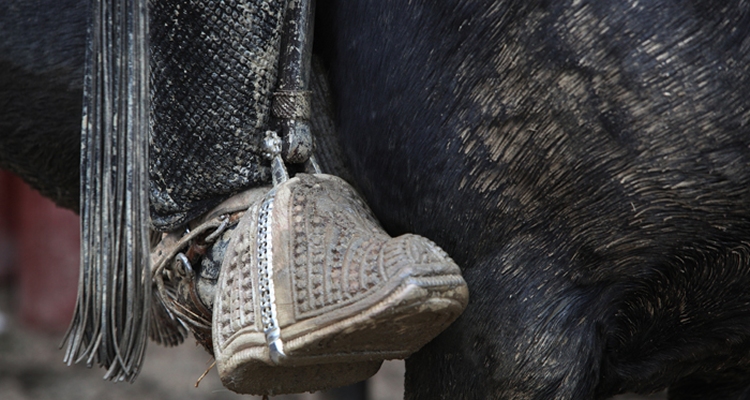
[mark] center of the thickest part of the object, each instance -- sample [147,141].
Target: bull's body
[586,162]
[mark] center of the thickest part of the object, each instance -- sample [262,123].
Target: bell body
[314,294]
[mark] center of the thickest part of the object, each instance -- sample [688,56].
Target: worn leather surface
[213,69]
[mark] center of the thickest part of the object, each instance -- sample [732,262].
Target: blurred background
[39,252]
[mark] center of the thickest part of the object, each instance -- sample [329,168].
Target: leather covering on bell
[213,71]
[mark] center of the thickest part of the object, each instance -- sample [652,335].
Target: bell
[312,293]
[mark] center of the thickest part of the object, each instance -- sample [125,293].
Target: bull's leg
[528,333]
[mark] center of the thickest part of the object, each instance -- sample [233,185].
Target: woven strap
[292,104]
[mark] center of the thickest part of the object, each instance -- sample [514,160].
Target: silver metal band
[265,275]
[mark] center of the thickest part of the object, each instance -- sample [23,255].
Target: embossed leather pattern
[335,257]
[337,296]
[235,306]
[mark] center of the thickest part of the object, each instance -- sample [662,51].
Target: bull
[586,163]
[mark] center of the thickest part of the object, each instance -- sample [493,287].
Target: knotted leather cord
[165,254]
[291,98]
[111,319]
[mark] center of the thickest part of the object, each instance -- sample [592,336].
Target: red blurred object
[47,252]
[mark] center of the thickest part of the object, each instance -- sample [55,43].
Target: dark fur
[587,165]
[42,47]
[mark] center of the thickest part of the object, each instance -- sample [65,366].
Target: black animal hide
[41,78]
[586,162]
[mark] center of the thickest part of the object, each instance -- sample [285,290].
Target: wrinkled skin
[586,162]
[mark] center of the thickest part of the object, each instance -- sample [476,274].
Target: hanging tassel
[111,321]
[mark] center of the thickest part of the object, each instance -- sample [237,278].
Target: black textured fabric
[213,69]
